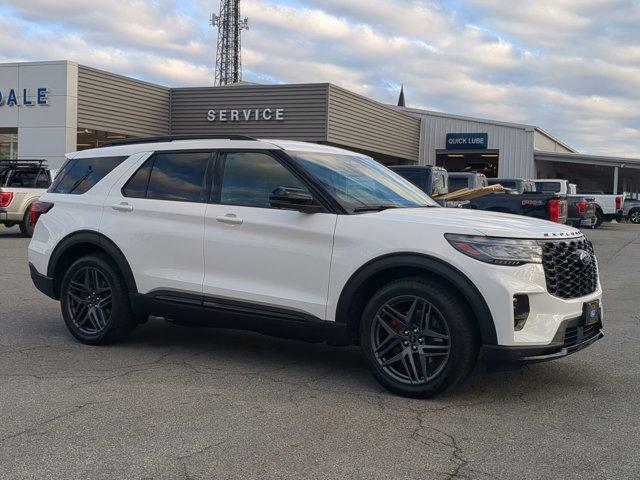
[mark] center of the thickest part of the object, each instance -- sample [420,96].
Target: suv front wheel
[95,302]
[418,338]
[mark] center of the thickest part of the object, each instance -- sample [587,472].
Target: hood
[474,222]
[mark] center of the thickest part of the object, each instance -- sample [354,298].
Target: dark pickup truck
[581,211]
[546,206]
[432,180]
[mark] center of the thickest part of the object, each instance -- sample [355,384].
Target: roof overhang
[587,159]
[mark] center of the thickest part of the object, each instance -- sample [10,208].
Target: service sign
[225,115]
[467,141]
[24,97]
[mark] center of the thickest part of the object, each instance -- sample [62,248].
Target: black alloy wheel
[634,216]
[418,337]
[410,339]
[89,301]
[95,301]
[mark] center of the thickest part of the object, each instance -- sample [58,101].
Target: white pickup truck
[608,207]
[22,182]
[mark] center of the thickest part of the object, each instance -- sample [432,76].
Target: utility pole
[228,52]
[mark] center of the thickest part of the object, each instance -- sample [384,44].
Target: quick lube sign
[245,115]
[24,97]
[467,141]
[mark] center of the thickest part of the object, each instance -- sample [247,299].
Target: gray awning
[587,159]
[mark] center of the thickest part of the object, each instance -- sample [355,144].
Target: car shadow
[343,370]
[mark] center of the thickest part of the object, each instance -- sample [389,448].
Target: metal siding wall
[515,144]
[118,104]
[304,117]
[359,122]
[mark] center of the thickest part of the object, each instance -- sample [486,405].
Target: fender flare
[99,240]
[428,264]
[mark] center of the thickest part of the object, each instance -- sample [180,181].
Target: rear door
[259,255]
[157,220]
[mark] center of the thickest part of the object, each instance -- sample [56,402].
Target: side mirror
[294,199]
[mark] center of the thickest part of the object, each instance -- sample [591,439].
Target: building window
[88,138]
[9,143]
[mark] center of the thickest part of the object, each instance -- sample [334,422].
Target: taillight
[555,208]
[582,207]
[5,198]
[618,203]
[39,208]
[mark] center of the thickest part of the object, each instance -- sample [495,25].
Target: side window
[249,178]
[79,175]
[136,187]
[178,177]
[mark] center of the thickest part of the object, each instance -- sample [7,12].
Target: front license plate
[592,312]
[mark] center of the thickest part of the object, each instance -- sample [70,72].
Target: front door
[261,255]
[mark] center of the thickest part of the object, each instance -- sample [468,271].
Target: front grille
[579,334]
[567,274]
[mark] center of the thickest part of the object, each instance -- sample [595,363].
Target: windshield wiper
[375,208]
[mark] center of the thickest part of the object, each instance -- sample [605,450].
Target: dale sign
[15,97]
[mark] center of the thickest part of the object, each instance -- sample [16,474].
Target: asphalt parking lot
[177,402]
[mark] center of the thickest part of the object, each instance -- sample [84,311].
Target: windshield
[359,183]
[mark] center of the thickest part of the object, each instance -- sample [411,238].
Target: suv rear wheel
[418,338]
[95,302]
[634,215]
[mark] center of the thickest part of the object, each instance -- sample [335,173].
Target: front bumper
[571,337]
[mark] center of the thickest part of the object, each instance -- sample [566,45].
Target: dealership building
[48,109]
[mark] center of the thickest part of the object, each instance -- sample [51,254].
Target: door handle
[229,219]
[122,207]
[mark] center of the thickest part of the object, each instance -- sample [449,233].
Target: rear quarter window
[79,175]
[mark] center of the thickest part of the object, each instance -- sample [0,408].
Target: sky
[571,67]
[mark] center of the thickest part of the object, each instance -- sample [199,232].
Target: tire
[25,225]
[599,219]
[84,298]
[634,215]
[447,361]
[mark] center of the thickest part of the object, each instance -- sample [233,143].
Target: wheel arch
[382,270]
[82,243]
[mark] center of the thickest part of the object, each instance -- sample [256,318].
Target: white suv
[309,242]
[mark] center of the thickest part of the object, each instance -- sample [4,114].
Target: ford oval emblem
[584,257]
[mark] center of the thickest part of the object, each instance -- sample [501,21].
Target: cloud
[569,66]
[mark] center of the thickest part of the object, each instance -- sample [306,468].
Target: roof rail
[172,138]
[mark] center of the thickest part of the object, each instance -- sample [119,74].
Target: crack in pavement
[184,458]
[435,438]
[33,428]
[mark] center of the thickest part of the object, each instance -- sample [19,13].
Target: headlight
[498,251]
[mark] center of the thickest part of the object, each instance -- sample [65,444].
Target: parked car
[21,184]
[515,185]
[470,180]
[545,206]
[581,211]
[608,207]
[632,210]
[432,180]
[531,204]
[311,242]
